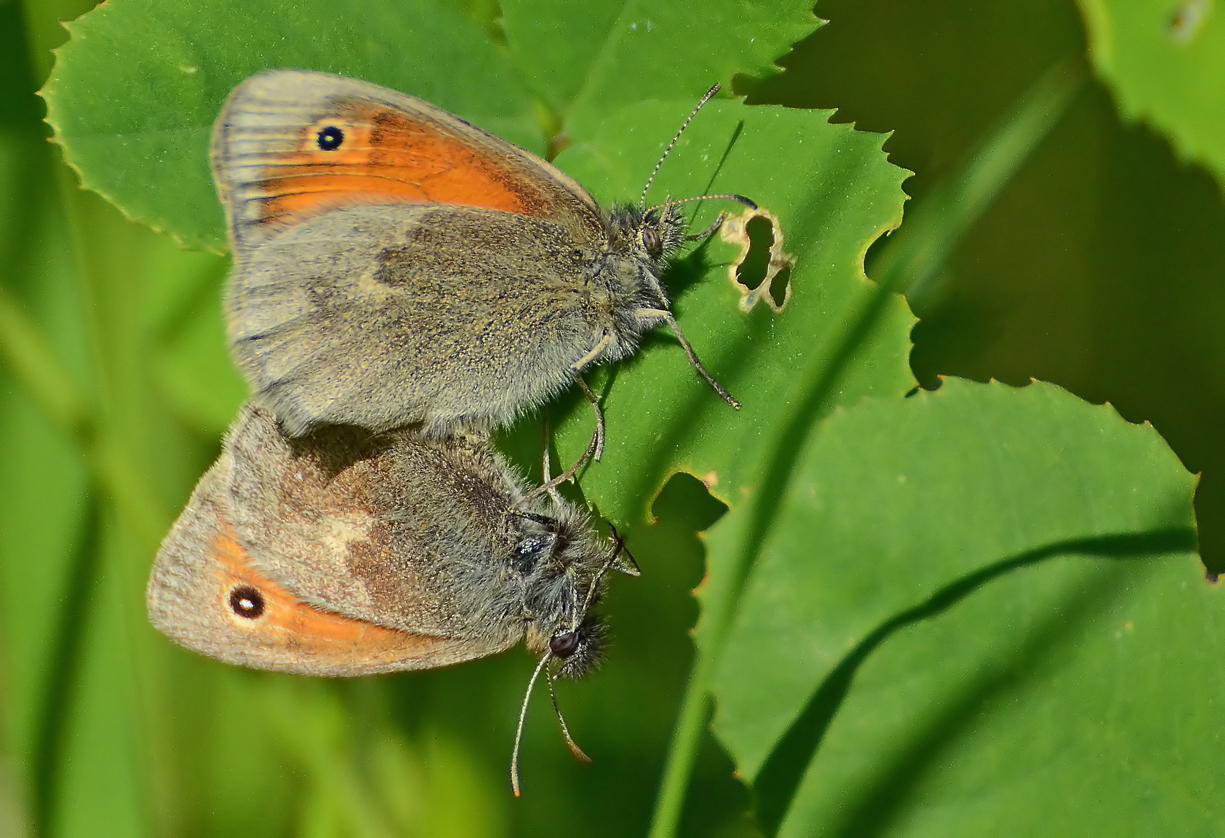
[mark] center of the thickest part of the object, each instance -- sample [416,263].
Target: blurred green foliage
[1054,240]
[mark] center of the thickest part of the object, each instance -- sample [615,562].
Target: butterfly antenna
[622,550]
[709,94]
[718,222]
[595,583]
[565,731]
[722,196]
[514,758]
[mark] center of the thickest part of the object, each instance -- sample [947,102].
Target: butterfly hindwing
[206,594]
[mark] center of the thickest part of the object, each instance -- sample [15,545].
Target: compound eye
[651,241]
[565,644]
[247,602]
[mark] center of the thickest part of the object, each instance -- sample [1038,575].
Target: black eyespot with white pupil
[330,138]
[246,602]
[565,644]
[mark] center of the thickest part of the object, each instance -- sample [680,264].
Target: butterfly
[395,265]
[344,552]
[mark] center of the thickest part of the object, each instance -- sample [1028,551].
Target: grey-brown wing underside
[202,572]
[392,530]
[381,316]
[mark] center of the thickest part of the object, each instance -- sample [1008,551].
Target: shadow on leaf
[778,781]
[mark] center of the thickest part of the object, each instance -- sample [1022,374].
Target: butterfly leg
[546,521]
[546,468]
[699,236]
[590,357]
[656,315]
[594,450]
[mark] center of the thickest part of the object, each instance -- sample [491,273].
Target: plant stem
[683,750]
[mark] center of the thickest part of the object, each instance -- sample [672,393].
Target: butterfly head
[647,236]
[563,598]
[565,581]
[581,649]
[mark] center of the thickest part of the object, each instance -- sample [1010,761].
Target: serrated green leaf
[135,91]
[587,64]
[1076,697]
[895,501]
[1165,62]
[825,163]
[554,47]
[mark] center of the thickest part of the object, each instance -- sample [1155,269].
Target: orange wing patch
[371,154]
[322,643]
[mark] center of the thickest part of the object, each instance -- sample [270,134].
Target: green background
[976,609]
